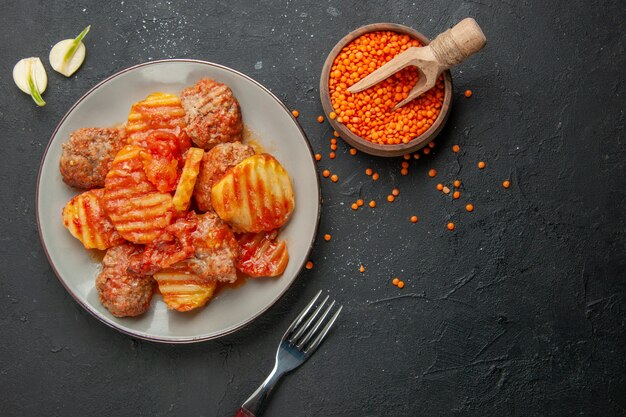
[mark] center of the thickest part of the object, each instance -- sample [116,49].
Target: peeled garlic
[68,55]
[30,77]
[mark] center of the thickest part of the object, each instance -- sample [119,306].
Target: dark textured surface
[519,311]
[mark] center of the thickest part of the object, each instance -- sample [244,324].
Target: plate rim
[176,340]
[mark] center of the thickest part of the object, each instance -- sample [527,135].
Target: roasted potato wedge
[187,182]
[262,255]
[255,195]
[86,220]
[182,290]
[137,210]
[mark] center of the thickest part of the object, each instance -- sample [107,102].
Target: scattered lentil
[375,176]
[320,119]
[309,265]
[372,204]
[352,151]
[327,237]
[481,165]
[326,173]
[295,113]
[450,226]
[456,148]
[457,183]
[468,93]
[469,207]
[401,284]
[390,198]
[506,184]
[414,219]
[334,178]
[432,173]
[456,195]
[395,192]
[318,157]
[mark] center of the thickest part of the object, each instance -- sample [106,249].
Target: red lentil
[368,113]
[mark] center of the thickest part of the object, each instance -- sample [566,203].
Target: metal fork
[299,342]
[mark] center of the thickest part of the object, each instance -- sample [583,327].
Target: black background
[519,311]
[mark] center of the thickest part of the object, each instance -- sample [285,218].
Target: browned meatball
[122,292]
[215,250]
[88,154]
[212,114]
[214,165]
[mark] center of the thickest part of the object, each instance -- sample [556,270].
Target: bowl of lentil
[365,120]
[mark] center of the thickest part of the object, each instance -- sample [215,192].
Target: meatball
[122,292]
[212,114]
[88,154]
[216,250]
[214,165]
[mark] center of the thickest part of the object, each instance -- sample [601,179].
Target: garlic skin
[57,57]
[22,71]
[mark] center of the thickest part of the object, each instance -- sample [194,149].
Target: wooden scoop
[448,49]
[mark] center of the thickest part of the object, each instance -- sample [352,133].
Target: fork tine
[307,324]
[318,323]
[303,313]
[320,337]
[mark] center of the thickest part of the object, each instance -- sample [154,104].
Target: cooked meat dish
[122,292]
[88,154]
[214,165]
[168,214]
[212,114]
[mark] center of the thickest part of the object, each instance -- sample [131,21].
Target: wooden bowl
[363,144]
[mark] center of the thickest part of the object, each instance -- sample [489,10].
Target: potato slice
[262,255]
[159,111]
[182,290]
[187,182]
[255,195]
[137,210]
[86,220]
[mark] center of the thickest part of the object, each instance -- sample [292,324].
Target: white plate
[107,104]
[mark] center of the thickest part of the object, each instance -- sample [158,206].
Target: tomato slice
[161,158]
[262,255]
[173,245]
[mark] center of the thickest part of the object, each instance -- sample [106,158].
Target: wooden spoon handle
[455,45]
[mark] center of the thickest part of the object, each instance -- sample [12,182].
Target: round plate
[108,104]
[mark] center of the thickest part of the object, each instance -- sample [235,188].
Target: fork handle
[253,406]
[242,412]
